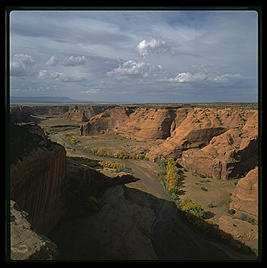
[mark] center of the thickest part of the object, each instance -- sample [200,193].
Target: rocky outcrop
[120,230]
[244,199]
[200,125]
[229,155]
[26,243]
[148,124]
[84,113]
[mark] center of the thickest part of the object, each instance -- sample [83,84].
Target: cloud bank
[135,55]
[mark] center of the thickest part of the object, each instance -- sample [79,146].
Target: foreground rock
[121,230]
[25,243]
[133,225]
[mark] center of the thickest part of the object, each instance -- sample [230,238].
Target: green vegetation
[96,163]
[231,211]
[188,206]
[245,217]
[172,174]
[204,188]
[113,165]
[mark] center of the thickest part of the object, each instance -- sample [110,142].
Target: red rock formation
[230,154]
[148,124]
[218,142]
[85,112]
[107,121]
[245,196]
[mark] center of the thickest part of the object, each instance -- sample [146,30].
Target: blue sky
[135,56]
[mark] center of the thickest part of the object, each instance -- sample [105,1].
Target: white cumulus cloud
[133,69]
[21,64]
[157,46]
[203,76]
[53,61]
[73,61]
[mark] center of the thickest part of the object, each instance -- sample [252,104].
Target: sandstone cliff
[218,142]
[245,196]
[36,178]
[84,113]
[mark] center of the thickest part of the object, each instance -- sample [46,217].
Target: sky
[125,56]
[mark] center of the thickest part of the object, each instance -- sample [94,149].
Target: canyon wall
[36,179]
[46,189]
[84,113]
[218,142]
[22,113]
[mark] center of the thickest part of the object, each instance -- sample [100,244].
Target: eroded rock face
[148,124]
[84,113]
[230,154]
[36,176]
[27,244]
[218,142]
[245,196]
[106,122]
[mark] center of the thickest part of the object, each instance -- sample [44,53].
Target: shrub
[113,165]
[231,211]
[211,205]
[172,173]
[187,205]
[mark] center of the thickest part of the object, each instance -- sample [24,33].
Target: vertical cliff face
[36,176]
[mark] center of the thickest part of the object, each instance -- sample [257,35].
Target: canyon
[78,212]
[218,142]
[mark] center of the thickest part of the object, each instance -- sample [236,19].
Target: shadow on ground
[133,225]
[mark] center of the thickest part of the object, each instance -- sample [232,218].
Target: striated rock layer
[245,196]
[35,184]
